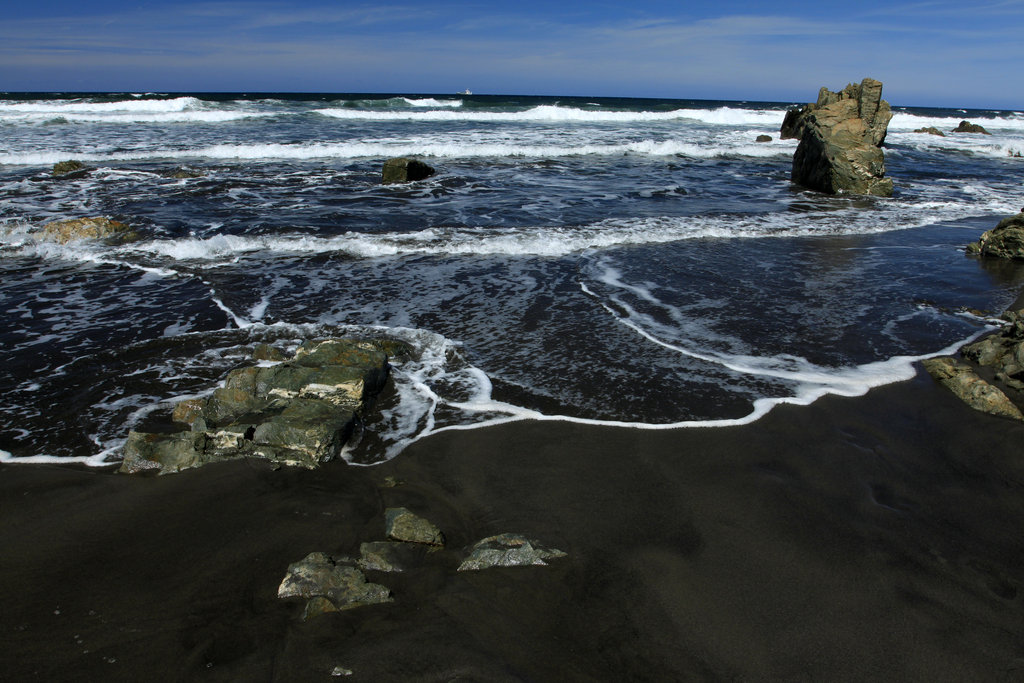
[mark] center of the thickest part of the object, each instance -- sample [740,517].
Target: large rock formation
[1006,240]
[840,140]
[297,412]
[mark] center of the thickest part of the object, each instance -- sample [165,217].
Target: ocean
[601,260]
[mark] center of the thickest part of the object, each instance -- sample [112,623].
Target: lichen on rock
[1006,240]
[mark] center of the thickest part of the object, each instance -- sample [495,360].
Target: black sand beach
[875,538]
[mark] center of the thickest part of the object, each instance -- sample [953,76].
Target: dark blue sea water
[643,262]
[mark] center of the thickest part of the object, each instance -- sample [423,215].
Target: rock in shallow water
[840,141]
[405,170]
[298,412]
[97,228]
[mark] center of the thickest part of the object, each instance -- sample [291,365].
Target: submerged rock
[840,141]
[404,170]
[297,412]
[931,130]
[329,586]
[507,550]
[1006,240]
[968,127]
[963,381]
[402,525]
[69,170]
[97,228]
[763,138]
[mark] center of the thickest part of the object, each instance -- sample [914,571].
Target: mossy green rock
[97,228]
[1006,240]
[300,411]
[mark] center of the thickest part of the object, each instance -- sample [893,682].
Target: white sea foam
[451,149]
[431,102]
[556,114]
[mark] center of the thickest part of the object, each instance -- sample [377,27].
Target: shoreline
[854,538]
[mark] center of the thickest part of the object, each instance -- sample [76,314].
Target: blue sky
[941,53]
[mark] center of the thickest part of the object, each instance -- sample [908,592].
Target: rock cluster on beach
[1001,354]
[840,140]
[331,585]
[296,412]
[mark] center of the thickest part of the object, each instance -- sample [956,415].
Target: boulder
[298,412]
[965,383]
[763,138]
[405,170]
[968,127]
[1006,240]
[402,525]
[931,130]
[507,550]
[98,228]
[840,141]
[69,170]
[329,585]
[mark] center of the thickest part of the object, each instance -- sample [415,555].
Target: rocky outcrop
[1003,354]
[297,412]
[1006,240]
[405,170]
[763,138]
[507,550]
[840,141]
[963,381]
[98,228]
[968,127]
[931,130]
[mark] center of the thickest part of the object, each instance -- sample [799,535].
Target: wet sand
[874,538]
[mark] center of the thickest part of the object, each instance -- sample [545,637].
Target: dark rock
[296,412]
[507,550]
[343,586]
[1006,240]
[931,130]
[402,525]
[405,170]
[391,556]
[69,170]
[763,138]
[840,141]
[963,381]
[183,174]
[968,127]
[98,228]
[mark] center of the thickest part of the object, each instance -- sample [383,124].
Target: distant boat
[467,91]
